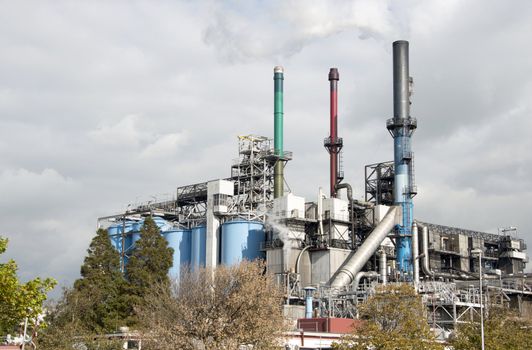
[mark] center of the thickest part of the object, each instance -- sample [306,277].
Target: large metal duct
[356,261]
[278,114]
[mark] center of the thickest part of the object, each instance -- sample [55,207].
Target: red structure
[333,143]
[328,325]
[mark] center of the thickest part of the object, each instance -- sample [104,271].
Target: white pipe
[320,210]
[425,243]
[359,275]
[415,253]
[425,265]
[356,261]
[383,267]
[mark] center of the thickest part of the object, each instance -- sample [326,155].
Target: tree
[502,330]
[220,309]
[19,300]
[149,263]
[95,305]
[395,318]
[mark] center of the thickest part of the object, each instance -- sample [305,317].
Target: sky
[104,104]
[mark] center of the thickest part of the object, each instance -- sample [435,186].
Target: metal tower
[401,127]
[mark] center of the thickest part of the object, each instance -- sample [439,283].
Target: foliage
[394,318]
[149,263]
[218,309]
[95,305]
[102,286]
[68,328]
[502,330]
[19,300]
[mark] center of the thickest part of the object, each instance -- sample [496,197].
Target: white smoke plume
[249,31]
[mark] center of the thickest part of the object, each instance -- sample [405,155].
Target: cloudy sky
[107,103]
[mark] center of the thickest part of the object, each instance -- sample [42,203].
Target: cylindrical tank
[179,240]
[115,233]
[198,238]
[241,240]
[116,240]
[135,231]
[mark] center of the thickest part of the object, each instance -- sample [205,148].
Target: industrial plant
[329,252]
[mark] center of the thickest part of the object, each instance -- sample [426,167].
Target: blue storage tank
[241,240]
[179,240]
[115,233]
[116,240]
[198,247]
[135,231]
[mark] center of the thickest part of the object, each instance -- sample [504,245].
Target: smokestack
[278,176]
[401,127]
[333,143]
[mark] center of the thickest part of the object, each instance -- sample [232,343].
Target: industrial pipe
[320,212]
[333,144]
[361,274]
[278,176]
[383,267]
[356,261]
[425,265]
[415,253]
[349,190]
[309,300]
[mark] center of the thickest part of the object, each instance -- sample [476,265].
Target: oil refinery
[329,252]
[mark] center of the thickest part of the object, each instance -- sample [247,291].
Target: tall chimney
[278,176]
[333,143]
[401,127]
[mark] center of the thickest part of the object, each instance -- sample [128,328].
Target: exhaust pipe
[278,114]
[333,143]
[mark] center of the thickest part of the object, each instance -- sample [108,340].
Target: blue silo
[198,246]
[179,240]
[241,240]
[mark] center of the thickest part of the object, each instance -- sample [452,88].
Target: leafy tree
[19,300]
[149,263]
[395,318]
[220,309]
[502,330]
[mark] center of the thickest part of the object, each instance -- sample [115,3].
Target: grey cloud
[106,104]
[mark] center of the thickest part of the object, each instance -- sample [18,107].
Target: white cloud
[124,133]
[278,29]
[165,145]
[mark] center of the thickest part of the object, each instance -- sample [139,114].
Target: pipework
[278,114]
[401,127]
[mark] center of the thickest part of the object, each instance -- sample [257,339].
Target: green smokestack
[278,176]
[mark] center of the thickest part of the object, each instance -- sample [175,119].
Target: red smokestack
[334,143]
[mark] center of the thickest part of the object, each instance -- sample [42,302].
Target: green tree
[95,305]
[395,318]
[102,285]
[215,309]
[19,300]
[149,263]
[502,330]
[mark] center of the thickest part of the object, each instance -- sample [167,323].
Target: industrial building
[329,252]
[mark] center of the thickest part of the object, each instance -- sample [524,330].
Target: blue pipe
[309,300]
